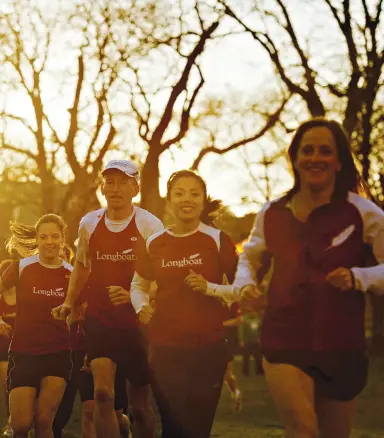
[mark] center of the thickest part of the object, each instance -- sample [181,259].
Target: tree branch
[20,119]
[185,116]
[181,86]
[25,152]
[73,127]
[270,123]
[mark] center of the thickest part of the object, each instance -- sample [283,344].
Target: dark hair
[211,206]
[23,239]
[348,178]
[5,264]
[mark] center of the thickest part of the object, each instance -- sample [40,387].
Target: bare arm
[77,281]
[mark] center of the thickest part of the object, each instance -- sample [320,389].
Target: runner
[7,321]
[188,340]
[39,355]
[109,241]
[230,381]
[312,336]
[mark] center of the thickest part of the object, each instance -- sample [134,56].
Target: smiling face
[187,199]
[49,240]
[118,189]
[317,161]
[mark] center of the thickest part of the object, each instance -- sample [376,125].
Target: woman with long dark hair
[39,354]
[318,237]
[188,347]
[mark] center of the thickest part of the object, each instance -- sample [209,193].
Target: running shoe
[237,403]
[7,431]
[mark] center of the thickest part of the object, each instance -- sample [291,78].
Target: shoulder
[155,236]
[365,207]
[212,232]
[91,219]
[67,266]
[28,261]
[147,223]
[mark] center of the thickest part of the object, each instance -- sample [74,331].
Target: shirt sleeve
[10,276]
[142,279]
[140,288]
[82,253]
[228,262]
[372,278]
[250,259]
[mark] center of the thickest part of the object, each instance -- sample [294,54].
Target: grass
[258,418]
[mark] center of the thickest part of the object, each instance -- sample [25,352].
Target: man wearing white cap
[110,241]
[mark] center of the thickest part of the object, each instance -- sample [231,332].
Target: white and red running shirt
[39,288]
[110,249]
[184,317]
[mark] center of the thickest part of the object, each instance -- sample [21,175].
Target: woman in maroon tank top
[7,320]
[39,354]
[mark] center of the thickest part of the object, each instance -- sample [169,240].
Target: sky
[234,66]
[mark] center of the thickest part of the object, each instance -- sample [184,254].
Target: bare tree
[103,36]
[182,110]
[363,55]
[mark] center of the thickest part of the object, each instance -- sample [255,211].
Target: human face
[118,189]
[187,199]
[49,240]
[317,161]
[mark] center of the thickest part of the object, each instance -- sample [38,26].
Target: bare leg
[105,420]
[142,411]
[335,417]
[87,425]
[51,392]
[293,393]
[21,406]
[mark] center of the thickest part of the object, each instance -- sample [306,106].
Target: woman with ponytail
[39,354]
[188,348]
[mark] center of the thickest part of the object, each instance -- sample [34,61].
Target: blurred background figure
[249,334]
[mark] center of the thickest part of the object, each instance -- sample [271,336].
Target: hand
[252,299]
[118,295]
[61,312]
[342,278]
[5,329]
[145,314]
[196,282]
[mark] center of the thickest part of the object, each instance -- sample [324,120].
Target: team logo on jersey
[125,255]
[341,237]
[192,260]
[133,239]
[59,292]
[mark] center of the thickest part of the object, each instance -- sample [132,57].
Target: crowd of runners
[141,309]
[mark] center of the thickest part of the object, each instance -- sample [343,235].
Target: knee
[103,395]
[138,412]
[21,426]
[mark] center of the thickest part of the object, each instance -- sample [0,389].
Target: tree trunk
[80,199]
[150,193]
[48,192]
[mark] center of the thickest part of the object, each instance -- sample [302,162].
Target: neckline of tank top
[120,221]
[51,266]
[168,230]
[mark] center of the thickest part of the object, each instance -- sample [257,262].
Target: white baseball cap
[125,166]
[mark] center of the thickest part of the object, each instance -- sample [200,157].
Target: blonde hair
[23,239]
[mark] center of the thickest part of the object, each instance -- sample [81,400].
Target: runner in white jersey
[109,242]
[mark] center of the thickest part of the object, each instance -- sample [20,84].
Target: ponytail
[23,240]
[211,211]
